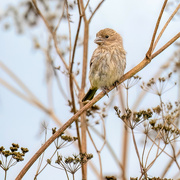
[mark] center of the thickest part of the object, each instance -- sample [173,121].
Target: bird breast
[107,66]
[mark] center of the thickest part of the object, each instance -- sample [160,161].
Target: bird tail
[89,95]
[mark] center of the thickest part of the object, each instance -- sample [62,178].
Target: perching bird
[108,62]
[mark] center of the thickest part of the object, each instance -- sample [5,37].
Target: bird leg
[105,89]
[116,84]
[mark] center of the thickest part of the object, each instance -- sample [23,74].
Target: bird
[107,63]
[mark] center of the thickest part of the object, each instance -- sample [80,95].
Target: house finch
[108,62]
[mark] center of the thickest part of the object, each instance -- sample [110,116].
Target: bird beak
[98,40]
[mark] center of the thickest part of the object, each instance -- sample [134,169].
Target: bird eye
[106,36]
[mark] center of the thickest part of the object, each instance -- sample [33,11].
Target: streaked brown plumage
[108,61]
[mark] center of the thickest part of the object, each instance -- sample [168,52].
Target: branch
[165,26]
[166,45]
[155,30]
[98,6]
[31,101]
[71,78]
[53,33]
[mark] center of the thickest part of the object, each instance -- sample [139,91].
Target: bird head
[107,37]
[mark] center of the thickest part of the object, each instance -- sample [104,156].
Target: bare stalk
[53,33]
[137,152]
[165,26]
[98,6]
[155,30]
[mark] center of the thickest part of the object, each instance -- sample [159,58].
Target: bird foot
[116,84]
[105,89]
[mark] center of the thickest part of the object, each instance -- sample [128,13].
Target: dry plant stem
[155,30]
[82,9]
[98,152]
[17,80]
[174,156]
[144,148]
[16,92]
[69,27]
[125,150]
[83,82]
[49,77]
[125,137]
[129,74]
[166,45]
[71,62]
[143,93]
[150,165]
[31,101]
[150,151]
[54,39]
[125,141]
[71,78]
[86,4]
[98,6]
[159,147]
[169,165]
[137,152]
[38,171]
[83,116]
[110,149]
[56,76]
[165,26]
[55,30]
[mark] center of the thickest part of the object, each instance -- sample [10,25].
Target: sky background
[20,122]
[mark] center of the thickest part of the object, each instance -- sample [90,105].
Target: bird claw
[105,89]
[115,84]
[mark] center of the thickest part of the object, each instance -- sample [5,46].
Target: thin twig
[150,165]
[144,148]
[174,156]
[71,79]
[148,54]
[165,26]
[166,45]
[109,148]
[159,147]
[87,4]
[98,152]
[61,17]
[137,152]
[17,80]
[98,6]
[169,165]
[54,39]
[143,93]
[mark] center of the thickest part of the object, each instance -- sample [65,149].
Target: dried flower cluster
[10,157]
[165,123]
[63,140]
[133,119]
[131,82]
[73,163]
[159,86]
